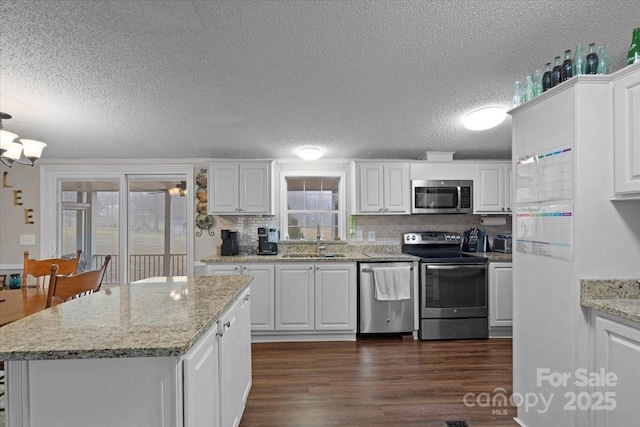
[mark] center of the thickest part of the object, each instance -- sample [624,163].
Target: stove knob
[407,238]
[413,237]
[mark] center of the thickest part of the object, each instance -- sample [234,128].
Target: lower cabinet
[501,297]
[316,297]
[262,289]
[217,371]
[299,298]
[616,351]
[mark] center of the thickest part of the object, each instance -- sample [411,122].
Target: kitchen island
[133,355]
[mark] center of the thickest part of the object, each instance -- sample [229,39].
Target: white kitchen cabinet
[500,294]
[617,351]
[626,137]
[202,382]
[492,188]
[230,367]
[244,326]
[240,188]
[335,297]
[382,188]
[262,290]
[294,293]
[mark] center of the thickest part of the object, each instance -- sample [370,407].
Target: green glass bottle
[634,50]
[603,61]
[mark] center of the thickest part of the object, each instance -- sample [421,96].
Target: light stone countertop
[618,297]
[352,256]
[163,316]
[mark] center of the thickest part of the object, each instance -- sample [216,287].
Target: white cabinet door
[223,188]
[255,188]
[335,297]
[240,188]
[230,391]
[617,351]
[244,325]
[383,188]
[262,296]
[500,294]
[371,188]
[223,269]
[489,188]
[626,110]
[201,382]
[294,297]
[396,188]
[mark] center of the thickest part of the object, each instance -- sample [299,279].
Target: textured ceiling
[256,79]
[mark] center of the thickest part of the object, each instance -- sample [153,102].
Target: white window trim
[342,197]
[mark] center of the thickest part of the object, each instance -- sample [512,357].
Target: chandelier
[11,148]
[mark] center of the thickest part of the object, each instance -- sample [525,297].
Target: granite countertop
[352,256]
[493,256]
[618,297]
[161,316]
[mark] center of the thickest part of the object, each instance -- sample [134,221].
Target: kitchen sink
[312,256]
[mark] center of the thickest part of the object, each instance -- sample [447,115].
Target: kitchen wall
[388,229]
[24,180]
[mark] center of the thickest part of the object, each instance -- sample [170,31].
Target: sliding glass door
[140,219]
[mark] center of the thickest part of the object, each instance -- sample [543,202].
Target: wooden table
[19,303]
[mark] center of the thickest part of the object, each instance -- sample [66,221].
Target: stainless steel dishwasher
[376,317]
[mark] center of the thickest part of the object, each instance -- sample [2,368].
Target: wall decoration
[203,220]
[17,199]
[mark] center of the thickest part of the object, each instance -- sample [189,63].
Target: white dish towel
[392,283]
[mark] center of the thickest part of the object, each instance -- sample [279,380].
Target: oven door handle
[453,266]
[459,198]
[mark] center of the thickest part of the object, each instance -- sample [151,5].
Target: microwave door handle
[459,197]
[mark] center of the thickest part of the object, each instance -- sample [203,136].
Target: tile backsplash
[387,229]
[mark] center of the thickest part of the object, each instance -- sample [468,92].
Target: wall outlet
[357,236]
[27,240]
[372,236]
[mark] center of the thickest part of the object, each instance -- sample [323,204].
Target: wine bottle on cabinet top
[556,71]
[592,59]
[567,66]
[546,77]
[634,50]
[603,61]
[579,63]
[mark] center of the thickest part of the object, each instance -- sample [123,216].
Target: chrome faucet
[318,236]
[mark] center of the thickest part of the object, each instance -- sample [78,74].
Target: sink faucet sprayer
[318,236]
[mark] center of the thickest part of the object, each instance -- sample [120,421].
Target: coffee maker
[267,241]
[229,242]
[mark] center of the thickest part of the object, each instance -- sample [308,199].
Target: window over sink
[310,200]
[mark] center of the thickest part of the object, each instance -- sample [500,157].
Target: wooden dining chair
[70,287]
[41,268]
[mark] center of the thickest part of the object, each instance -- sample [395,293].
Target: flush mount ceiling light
[310,153]
[10,150]
[484,118]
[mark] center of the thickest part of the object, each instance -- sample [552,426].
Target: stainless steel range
[453,287]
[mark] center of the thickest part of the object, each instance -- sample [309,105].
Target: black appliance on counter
[267,241]
[453,287]
[229,242]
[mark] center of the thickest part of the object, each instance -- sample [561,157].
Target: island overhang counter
[122,356]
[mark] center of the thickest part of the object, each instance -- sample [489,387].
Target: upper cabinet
[626,133]
[381,188]
[241,188]
[492,188]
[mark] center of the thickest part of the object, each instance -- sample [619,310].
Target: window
[312,201]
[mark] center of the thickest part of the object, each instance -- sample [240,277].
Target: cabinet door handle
[221,333]
[228,324]
[247,297]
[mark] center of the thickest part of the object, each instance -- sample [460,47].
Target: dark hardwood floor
[379,383]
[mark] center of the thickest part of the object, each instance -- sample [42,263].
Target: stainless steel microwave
[441,196]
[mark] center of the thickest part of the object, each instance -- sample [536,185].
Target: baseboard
[301,337]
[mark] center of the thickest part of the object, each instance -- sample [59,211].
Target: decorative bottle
[567,66]
[634,50]
[592,59]
[537,83]
[556,71]
[603,63]
[517,94]
[528,89]
[546,77]
[579,63]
